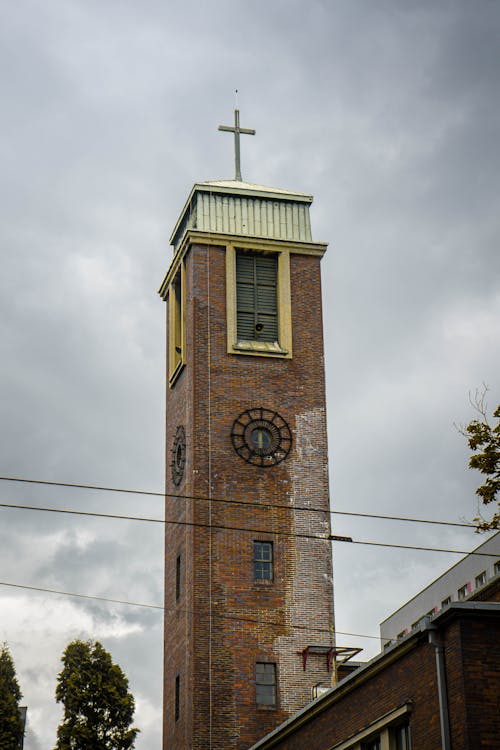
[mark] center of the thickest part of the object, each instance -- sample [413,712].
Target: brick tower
[248,578]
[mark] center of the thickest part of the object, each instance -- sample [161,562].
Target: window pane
[265,683]
[263,561]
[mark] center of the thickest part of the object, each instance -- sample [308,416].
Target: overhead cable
[220,615]
[220,527]
[204,498]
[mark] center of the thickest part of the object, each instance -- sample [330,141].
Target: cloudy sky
[388,112]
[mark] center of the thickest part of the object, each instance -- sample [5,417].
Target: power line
[152,493]
[185,611]
[427,549]
[220,527]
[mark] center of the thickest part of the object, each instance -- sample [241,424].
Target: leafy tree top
[10,694]
[98,707]
[484,439]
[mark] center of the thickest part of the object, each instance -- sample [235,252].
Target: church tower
[248,578]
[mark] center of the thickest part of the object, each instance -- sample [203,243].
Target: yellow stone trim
[215,239]
[249,243]
[283,348]
[176,325]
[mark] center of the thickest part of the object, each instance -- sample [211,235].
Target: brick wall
[224,621]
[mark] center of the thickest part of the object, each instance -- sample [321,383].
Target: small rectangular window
[263,561]
[265,684]
[481,579]
[177,697]
[256,297]
[462,593]
[178,578]
[445,602]
[496,567]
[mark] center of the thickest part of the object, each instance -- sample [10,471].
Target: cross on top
[237,130]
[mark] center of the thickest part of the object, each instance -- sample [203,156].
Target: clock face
[178,452]
[261,437]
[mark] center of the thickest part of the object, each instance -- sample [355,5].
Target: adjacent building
[437,688]
[471,577]
[434,686]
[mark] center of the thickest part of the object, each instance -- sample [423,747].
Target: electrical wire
[125,602]
[202,498]
[276,532]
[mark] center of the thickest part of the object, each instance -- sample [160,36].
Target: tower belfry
[248,575]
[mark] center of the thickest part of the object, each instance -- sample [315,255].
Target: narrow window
[178,578]
[462,593]
[481,579]
[496,567]
[265,683]
[263,561]
[256,297]
[445,602]
[176,325]
[401,737]
[177,697]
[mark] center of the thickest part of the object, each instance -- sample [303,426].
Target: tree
[98,708]
[484,440]
[11,727]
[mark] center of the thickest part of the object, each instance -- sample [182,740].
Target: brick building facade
[248,575]
[436,689]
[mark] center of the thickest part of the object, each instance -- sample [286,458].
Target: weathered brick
[224,622]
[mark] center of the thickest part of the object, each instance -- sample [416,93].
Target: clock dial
[178,452]
[261,437]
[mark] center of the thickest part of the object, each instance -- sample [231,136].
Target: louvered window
[256,294]
[176,325]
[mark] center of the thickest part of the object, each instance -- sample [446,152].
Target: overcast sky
[388,112]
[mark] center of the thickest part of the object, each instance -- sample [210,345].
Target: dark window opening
[177,697]
[265,684]
[263,561]
[257,297]
[373,744]
[178,578]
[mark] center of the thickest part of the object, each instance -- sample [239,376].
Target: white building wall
[457,583]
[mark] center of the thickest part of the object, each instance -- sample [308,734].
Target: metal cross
[237,130]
